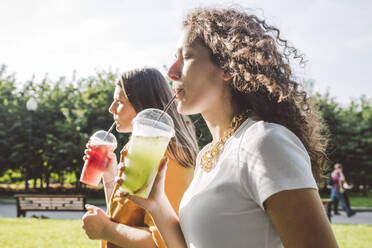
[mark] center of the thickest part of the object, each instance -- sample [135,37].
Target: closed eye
[118,102]
[186,56]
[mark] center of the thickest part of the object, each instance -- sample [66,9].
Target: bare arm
[98,226]
[127,236]
[300,219]
[168,224]
[108,186]
[109,177]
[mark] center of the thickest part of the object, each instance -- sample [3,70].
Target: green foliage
[350,136]
[10,177]
[70,111]
[67,114]
[8,107]
[201,130]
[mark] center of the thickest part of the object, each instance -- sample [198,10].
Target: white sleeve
[273,159]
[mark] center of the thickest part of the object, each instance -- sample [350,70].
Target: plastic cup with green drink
[152,131]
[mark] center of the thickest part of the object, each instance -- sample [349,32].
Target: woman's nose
[112,108]
[174,71]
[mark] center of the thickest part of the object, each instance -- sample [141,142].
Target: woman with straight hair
[255,183]
[126,224]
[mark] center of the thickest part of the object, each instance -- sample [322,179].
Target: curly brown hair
[258,62]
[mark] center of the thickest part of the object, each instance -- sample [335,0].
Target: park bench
[327,204]
[39,202]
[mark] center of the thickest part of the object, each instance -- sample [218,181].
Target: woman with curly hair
[255,184]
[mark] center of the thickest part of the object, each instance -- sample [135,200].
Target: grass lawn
[359,201]
[353,236]
[30,233]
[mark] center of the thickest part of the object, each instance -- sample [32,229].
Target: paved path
[364,218]
[8,209]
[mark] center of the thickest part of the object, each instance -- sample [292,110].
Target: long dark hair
[257,59]
[147,88]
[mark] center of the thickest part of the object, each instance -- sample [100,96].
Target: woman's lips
[179,93]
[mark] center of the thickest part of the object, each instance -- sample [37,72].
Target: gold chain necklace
[207,160]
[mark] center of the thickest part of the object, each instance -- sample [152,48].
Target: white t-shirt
[224,207]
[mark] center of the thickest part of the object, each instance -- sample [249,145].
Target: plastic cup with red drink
[101,144]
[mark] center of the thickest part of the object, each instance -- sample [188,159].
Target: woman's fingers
[123,155]
[121,194]
[87,154]
[156,192]
[87,151]
[88,144]
[118,180]
[121,165]
[163,164]
[162,168]
[133,198]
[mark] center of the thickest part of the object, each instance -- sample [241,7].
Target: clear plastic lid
[153,122]
[101,138]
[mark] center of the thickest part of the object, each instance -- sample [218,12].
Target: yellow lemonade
[142,164]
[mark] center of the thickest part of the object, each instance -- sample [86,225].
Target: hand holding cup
[157,192]
[99,158]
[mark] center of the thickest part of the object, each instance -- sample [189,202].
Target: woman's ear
[226,76]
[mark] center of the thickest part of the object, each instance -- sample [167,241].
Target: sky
[58,37]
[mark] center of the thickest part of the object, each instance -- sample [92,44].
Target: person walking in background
[126,224]
[338,192]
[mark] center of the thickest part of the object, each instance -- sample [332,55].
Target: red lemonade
[95,165]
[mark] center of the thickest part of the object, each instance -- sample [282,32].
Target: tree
[350,137]
[69,112]
[8,104]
